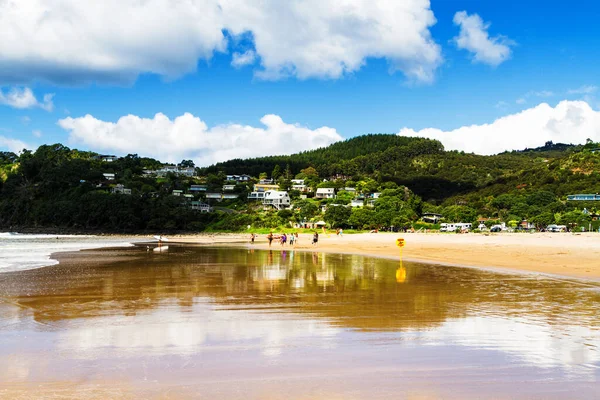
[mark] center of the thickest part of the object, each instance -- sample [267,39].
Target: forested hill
[60,187]
[330,160]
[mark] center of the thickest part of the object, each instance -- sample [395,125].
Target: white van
[447,227]
[454,227]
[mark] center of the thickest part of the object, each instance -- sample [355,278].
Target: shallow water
[20,252]
[226,323]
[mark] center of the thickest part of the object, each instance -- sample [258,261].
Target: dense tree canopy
[60,187]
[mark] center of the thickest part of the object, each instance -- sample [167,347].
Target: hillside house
[432,218]
[277,199]
[239,178]
[583,197]
[228,188]
[202,207]
[109,176]
[357,203]
[187,171]
[177,192]
[120,189]
[299,185]
[256,195]
[198,188]
[325,193]
[107,158]
[263,187]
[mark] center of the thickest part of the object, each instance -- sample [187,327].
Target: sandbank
[574,255]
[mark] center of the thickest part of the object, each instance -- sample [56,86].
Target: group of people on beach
[284,238]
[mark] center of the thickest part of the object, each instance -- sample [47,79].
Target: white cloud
[585,89]
[568,122]
[521,100]
[241,59]
[37,133]
[187,136]
[13,145]
[24,98]
[71,41]
[330,38]
[474,37]
[501,104]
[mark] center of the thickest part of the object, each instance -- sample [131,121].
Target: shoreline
[560,255]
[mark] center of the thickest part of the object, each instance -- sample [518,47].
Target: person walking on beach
[270,238]
[341,232]
[292,239]
[252,237]
[283,239]
[315,238]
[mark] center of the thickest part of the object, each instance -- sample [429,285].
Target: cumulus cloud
[474,37]
[71,41]
[188,137]
[329,38]
[241,59]
[24,98]
[568,122]
[13,145]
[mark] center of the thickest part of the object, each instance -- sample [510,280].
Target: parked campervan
[454,227]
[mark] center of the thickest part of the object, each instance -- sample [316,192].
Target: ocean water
[19,252]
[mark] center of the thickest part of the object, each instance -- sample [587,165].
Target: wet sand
[564,254]
[227,323]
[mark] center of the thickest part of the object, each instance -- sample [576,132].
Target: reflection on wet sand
[238,315]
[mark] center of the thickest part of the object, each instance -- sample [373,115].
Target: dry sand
[565,254]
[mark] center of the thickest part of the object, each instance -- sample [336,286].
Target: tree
[276,172]
[362,218]
[187,164]
[337,216]
[306,209]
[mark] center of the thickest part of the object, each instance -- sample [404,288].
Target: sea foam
[19,252]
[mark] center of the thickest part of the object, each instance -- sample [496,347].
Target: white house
[298,184]
[228,187]
[109,177]
[357,203]
[277,199]
[238,178]
[107,158]
[177,192]
[256,195]
[187,171]
[202,207]
[325,193]
[120,189]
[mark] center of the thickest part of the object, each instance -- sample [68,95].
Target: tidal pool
[234,323]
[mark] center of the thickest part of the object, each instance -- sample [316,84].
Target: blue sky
[531,64]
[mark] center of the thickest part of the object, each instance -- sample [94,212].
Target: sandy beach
[575,255]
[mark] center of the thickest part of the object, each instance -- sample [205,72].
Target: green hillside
[57,187]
